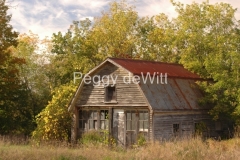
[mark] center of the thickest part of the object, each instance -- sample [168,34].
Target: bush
[91,137]
[96,137]
[141,140]
[54,122]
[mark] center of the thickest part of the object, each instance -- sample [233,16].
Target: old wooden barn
[134,97]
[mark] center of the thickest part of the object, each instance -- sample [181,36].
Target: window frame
[104,119]
[176,129]
[144,121]
[82,120]
[106,98]
[131,123]
[93,121]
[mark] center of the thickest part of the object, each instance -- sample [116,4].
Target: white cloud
[47,17]
[154,7]
[89,4]
[43,19]
[59,14]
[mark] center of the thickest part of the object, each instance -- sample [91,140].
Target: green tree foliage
[72,52]
[35,72]
[208,41]
[54,122]
[161,40]
[15,116]
[7,35]
[114,33]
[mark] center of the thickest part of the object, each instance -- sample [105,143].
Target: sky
[45,17]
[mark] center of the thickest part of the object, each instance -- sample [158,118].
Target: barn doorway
[118,126]
[131,127]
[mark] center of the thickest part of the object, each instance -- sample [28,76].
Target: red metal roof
[138,67]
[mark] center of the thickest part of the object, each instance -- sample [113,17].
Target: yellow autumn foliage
[54,122]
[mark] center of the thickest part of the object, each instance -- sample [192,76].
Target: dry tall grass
[181,149]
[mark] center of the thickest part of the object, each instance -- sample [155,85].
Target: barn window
[110,93]
[104,119]
[143,121]
[131,121]
[176,129]
[92,121]
[83,120]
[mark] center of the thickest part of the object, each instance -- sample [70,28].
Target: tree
[161,40]
[114,33]
[71,53]
[14,114]
[34,72]
[209,46]
[8,37]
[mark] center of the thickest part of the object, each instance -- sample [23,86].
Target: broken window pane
[110,94]
[134,116]
[83,119]
[94,114]
[146,116]
[134,125]
[104,119]
[129,117]
[91,115]
[106,124]
[141,126]
[141,116]
[90,124]
[80,113]
[129,125]
[102,124]
[143,121]
[145,125]
[175,128]
[95,124]
[85,124]
[102,114]
[81,124]
[106,114]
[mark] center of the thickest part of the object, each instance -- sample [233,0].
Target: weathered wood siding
[127,94]
[163,125]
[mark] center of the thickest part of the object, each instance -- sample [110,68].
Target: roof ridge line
[170,63]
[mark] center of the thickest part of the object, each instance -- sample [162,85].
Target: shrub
[54,122]
[96,137]
[91,137]
[141,140]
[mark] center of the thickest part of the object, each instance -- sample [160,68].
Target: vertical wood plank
[110,118]
[74,126]
[98,119]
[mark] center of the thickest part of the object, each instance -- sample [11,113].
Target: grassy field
[183,149]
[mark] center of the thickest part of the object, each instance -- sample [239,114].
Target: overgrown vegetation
[96,137]
[186,149]
[54,122]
